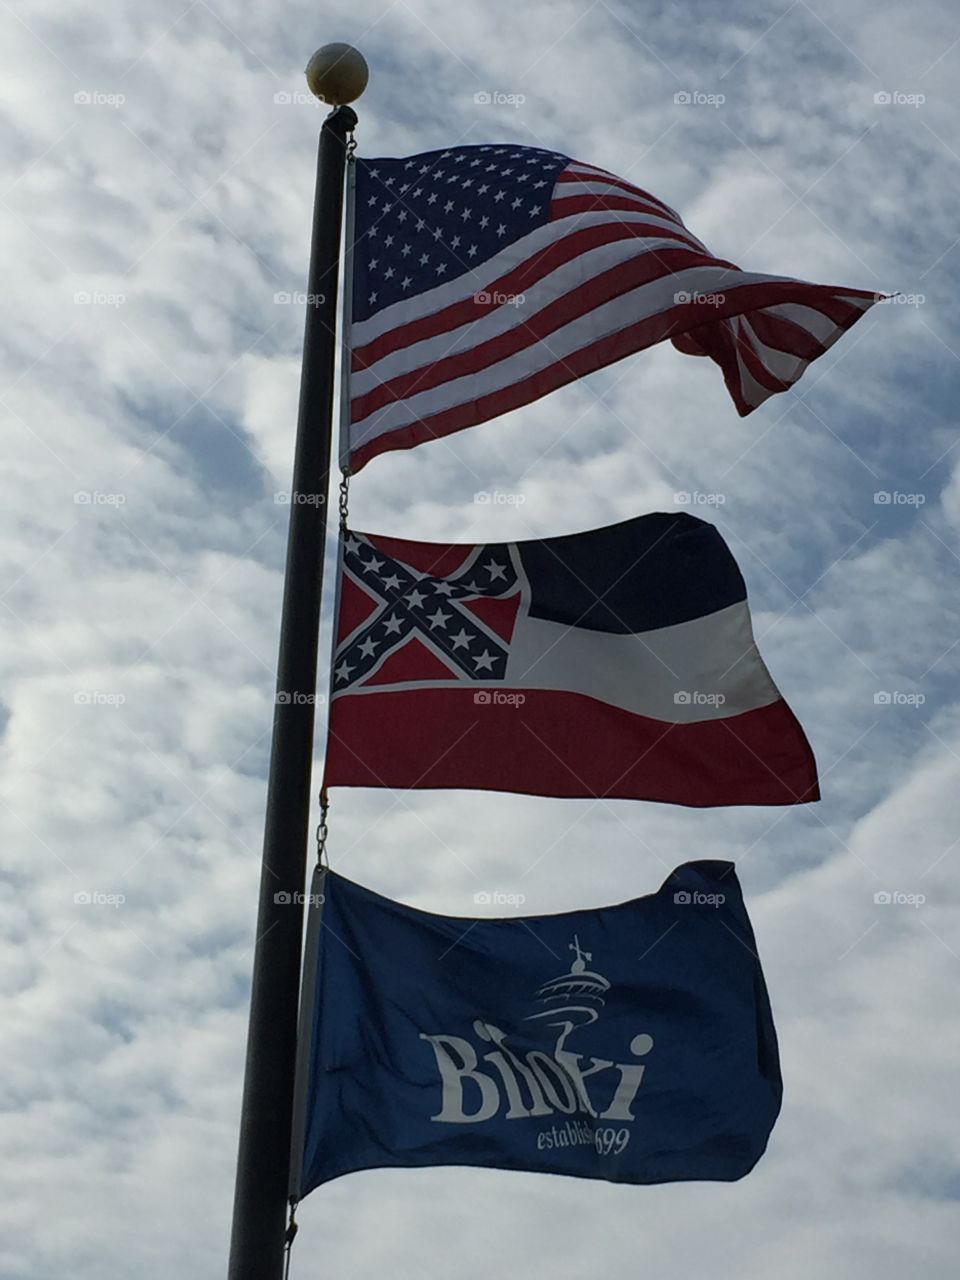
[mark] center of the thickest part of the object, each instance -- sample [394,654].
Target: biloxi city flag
[615,663]
[485,277]
[632,1043]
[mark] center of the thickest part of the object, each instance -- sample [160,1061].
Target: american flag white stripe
[599,279]
[487,324]
[654,299]
[586,172]
[558,299]
[481,279]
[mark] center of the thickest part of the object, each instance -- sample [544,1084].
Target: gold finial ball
[337,74]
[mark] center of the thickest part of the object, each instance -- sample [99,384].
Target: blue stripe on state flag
[655,571]
[632,1043]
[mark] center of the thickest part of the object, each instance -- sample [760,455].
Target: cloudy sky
[157,182]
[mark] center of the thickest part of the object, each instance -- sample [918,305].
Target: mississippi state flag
[617,663]
[485,277]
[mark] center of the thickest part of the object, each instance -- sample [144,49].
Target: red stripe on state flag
[565,745]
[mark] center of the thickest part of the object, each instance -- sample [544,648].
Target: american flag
[486,276]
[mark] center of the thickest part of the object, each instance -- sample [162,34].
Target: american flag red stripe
[608,271]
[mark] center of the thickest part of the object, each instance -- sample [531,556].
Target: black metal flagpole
[337,74]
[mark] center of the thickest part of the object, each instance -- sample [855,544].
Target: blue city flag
[632,1043]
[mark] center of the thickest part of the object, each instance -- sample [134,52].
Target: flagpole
[336,74]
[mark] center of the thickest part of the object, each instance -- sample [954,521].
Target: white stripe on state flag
[712,661]
[688,673]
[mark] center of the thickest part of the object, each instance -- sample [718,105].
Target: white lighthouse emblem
[524,1083]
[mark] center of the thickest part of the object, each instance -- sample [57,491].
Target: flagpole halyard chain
[289,1236]
[344,500]
[322,862]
